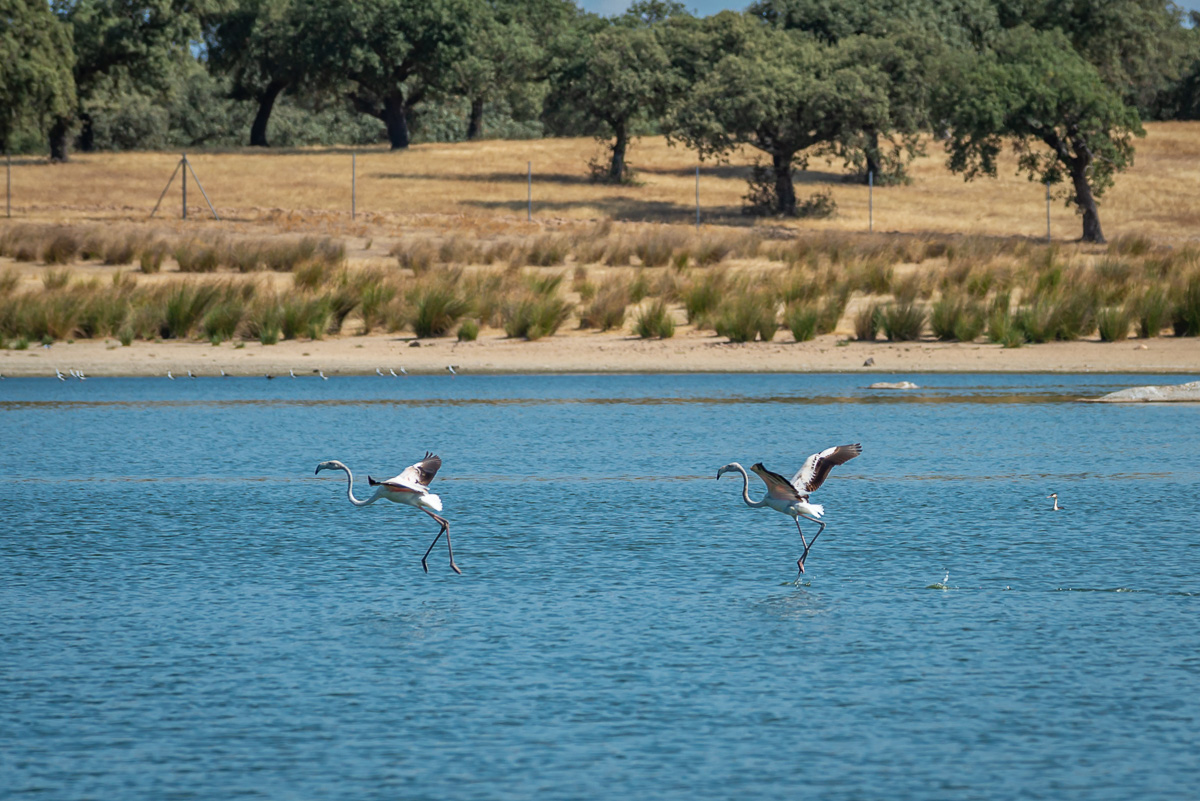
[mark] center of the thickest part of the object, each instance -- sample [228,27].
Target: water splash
[944,584]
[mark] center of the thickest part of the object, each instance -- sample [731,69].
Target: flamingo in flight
[410,487]
[791,497]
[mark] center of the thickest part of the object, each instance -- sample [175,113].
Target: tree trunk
[1086,202]
[59,139]
[396,120]
[475,121]
[86,141]
[266,103]
[616,167]
[785,190]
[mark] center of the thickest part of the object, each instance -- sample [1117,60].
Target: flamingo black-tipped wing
[423,471]
[816,467]
[777,486]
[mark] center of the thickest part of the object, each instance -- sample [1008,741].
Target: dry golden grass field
[479,188]
[607,277]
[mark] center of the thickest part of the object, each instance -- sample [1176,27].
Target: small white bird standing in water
[393,372]
[379,372]
[450,367]
[292,373]
[791,497]
[59,375]
[223,373]
[322,374]
[170,376]
[190,374]
[411,487]
[1056,508]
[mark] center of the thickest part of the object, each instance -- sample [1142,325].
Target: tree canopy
[36,55]
[1063,121]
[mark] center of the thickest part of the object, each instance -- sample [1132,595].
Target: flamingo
[1056,508]
[791,497]
[410,487]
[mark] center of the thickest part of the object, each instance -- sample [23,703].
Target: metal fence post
[353,185]
[529,192]
[185,171]
[7,183]
[697,195]
[1047,211]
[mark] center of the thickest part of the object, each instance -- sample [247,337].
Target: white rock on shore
[893,385]
[1153,394]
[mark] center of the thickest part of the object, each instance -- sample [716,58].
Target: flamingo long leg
[809,546]
[800,561]
[444,530]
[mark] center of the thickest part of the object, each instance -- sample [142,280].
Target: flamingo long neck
[746,489]
[350,490]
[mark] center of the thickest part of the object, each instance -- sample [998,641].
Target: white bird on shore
[411,487]
[393,372]
[223,373]
[170,376]
[403,371]
[1056,508]
[190,374]
[379,372]
[292,373]
[791,497]
[450,367]
[58,374]
[322,374]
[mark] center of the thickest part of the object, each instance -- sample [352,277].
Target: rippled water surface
[186,611]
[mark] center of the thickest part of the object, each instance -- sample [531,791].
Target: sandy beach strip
[589,352]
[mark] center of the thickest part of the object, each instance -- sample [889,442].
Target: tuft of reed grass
[1153,311]
[54,280]
[701,298]
[194,256]
[150,257]
[468,331]
[303,315]
[416,255]
[902,322]
[954,318]
[9,280]
[185,307]
[222,320]
[548,250]
[1186,313]
[1114,323]
[436,309]
[801,319]
[532,315]
[747,315]
[62,245]
[866,323]
[607,309]
[655,321]
[264,320]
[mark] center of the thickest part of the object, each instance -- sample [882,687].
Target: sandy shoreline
[598,353]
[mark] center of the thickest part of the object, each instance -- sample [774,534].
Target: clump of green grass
[902,322]
[866,323]
[1130,245]
[468,331]
[1154,313]
[956,318]
[701,297]
[418,255]
[655,248]
[436,309]
[533,315]
[264,320]
[747,315]
[607,309]
[1114,323]
[185,307]
[303,315]
[801,319]
[9,280]
[54,280]
[222,320]
[150,256]
[1186,313]
[655,321]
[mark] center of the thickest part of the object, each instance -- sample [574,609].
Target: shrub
[902,322]
[194,256]
[61,247]
[866,323]
[801,319]
[150,257]
[655,320]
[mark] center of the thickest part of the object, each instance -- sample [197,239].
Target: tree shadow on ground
[565,179]
[625,209]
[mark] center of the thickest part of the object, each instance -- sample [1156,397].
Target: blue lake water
[186,611]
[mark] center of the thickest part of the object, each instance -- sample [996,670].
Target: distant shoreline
[588,352]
